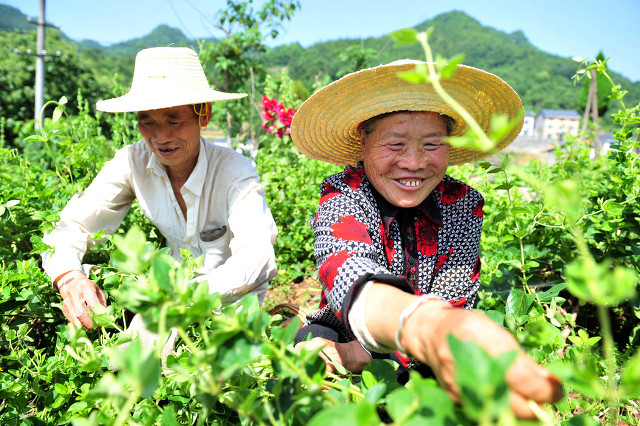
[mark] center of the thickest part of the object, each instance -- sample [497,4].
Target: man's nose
[162,134]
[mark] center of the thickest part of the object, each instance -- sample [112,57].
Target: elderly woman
[397,240]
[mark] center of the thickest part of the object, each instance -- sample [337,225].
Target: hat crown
[168,68]
[325,127]
[165,77]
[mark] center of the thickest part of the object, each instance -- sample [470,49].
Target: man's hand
[351,355]
[79,294]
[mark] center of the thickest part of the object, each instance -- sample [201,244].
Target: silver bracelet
[366,350]
[408,311]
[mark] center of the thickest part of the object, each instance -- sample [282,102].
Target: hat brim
[325,125]
[133,102]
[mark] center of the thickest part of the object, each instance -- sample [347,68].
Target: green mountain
[543,80]
[11,19]
[162,35]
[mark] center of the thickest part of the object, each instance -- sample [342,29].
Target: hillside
[543,80]
[11,19]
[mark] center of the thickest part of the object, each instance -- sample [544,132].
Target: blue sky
[563,27]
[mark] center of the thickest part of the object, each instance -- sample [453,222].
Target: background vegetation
[541,79]
[560,270]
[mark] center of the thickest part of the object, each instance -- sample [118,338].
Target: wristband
[408,311]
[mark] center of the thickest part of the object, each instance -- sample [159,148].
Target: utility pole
[40,54]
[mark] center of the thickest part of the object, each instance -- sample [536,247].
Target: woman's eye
[430,146]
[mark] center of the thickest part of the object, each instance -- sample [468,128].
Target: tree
[603,85]
[65,76]
[355,58]
[237,58]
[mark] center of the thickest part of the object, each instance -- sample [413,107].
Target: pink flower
[272,108]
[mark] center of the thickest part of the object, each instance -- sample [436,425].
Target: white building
[528,125]
[554,124]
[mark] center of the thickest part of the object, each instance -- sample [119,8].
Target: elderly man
[201,197]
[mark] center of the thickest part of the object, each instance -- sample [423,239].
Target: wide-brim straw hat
[325,127]
[165,77]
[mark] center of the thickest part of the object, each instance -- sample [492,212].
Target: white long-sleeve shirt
[228,220]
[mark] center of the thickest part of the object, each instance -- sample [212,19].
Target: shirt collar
[197,177]
[389,212]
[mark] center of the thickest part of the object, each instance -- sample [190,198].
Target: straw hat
[325,126]
[165,77]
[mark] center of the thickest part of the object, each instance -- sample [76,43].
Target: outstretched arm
[424,336]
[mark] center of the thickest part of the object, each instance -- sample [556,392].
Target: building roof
[562,113]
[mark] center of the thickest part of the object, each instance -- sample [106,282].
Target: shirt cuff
[358,325]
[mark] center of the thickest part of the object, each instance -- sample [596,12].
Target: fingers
[80,294]
[70,315]
[532,381]
[319,343]
[102,298]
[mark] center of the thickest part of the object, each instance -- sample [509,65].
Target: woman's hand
[425,336]
[79,294]
[351,355]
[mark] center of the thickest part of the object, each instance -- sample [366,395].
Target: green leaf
[61,389]
[614,209]
[518,303]
[401,404]
[496,316]
[141,369]
[57,113]
[168,417]
[630,380]
[449,69]
[360,414]
[379,371]
[483,389]
[414,76]
[34,138]
[598,283]
[405,36]
[552,293]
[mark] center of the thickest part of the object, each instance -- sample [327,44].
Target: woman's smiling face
[405,157]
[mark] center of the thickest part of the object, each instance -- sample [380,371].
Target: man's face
[405,157]
[173,134]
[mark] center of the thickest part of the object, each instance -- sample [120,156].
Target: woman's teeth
[410,182]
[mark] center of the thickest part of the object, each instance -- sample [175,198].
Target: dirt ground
[305,294]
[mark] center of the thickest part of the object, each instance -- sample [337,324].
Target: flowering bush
[272,109]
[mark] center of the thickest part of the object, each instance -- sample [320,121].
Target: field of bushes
[560,255]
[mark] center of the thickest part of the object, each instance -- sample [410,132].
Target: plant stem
[125,410]
[607,336]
